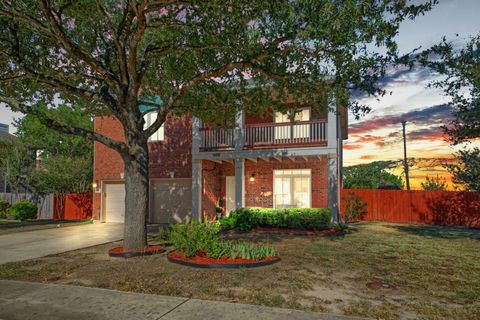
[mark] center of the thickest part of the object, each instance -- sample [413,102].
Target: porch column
[332,124]
[196,189]
[333,187]
[238,133]
[333,159]
[196,170]
[239,183]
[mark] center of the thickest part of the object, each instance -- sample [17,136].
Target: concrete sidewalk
[37,301]
[39,243]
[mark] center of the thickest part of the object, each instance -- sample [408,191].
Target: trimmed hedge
[293,218]
[23,210]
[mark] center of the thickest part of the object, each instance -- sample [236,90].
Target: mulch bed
[202,261]
[148,251]
[285,231]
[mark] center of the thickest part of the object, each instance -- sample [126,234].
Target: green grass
[6,221]
[439,268]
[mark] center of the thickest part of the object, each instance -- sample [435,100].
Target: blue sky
[376,136]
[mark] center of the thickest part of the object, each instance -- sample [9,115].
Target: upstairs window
[297,131]
[150,118]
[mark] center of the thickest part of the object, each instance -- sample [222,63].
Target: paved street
[37,301]
[34,244]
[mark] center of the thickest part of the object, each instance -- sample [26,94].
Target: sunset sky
[377,136]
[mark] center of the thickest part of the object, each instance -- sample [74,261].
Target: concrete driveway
[35,244]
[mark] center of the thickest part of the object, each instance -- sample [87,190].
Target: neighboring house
[265,161]
[4,135]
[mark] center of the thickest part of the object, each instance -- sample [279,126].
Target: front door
[230,194]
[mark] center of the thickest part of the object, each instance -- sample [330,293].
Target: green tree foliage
[466,171]
[17,162]
[210,58]
[461,68]
[371,176]
[461,82]
[66,164]
[435,183]
[33,133]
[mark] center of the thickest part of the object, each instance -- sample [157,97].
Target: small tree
[354,209]
[435,183]
[466,172]
[371,176]
[17,162]
[461,83]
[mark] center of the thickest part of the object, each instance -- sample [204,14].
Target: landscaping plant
[194,238]
[355,208]
[294,218]
[23,210]
[4,206]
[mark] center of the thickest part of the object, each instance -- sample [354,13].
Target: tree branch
[60,35]
[120,147]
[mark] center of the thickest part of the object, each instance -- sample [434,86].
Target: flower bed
[198,245]
[148,251]
[201,260]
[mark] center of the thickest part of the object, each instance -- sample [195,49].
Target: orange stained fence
[73,206]
[419,207]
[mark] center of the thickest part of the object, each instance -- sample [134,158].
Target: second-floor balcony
[265,136]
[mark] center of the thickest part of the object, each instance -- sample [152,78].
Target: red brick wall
[259,193]
[211,188]
[172,154]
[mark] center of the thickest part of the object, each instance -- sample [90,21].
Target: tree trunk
[136,198]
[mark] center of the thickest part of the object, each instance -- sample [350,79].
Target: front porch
[280,182]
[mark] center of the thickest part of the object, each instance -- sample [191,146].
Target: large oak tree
[209,58]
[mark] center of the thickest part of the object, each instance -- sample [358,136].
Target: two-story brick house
[266,161]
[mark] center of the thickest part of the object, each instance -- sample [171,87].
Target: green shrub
[4,206]
[193,237]
[355,208]
[294,218]
[23,210]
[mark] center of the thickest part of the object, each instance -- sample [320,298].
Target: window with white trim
[298,130]
[292,188]
[150,118]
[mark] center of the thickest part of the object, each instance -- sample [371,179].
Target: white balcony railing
[267,135]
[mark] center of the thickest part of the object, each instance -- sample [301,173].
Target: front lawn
[379,270]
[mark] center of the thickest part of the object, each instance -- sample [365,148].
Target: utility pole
[405,163]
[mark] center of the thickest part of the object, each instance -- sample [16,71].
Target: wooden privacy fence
[73,206]
[419,206]
[45,203]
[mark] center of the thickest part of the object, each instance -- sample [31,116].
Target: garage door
[115,202]
[170,200]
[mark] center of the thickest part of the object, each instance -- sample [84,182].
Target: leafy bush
[23,210]
[195,237]
[294,218]
[355,208]
[4,206]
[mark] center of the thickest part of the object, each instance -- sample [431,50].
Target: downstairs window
[292,188]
